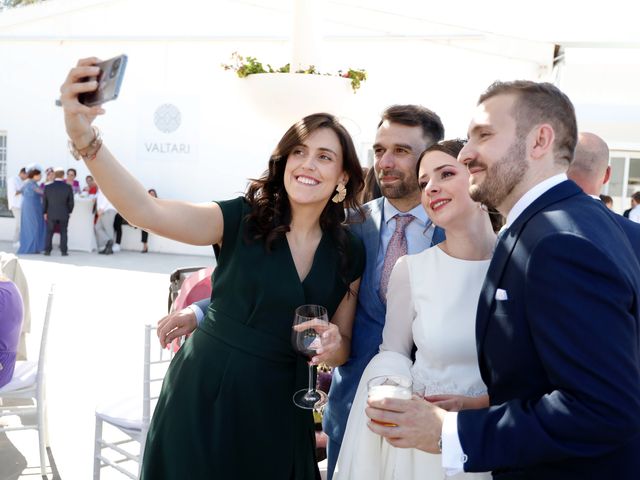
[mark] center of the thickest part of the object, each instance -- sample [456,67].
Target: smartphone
[109,82]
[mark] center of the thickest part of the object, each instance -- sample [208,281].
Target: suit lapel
[438,236]
[371,239]
[504,248]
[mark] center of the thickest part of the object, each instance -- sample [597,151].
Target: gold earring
[341,194]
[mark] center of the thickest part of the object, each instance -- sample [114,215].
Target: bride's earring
[341,194]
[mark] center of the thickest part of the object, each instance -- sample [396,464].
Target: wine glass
[307,342]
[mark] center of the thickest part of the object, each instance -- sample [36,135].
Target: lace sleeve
[397,335]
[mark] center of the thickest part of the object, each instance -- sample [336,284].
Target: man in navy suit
[57,206]
[558,322]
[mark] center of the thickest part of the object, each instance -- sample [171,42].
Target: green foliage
[250,65]
[356,76]
[16,3]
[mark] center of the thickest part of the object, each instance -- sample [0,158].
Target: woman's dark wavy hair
[270,214]
[452,148]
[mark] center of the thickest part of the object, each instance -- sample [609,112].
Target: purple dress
[11,310]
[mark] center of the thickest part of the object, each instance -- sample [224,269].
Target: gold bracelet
[89,152]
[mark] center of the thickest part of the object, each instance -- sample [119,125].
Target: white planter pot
[285,98]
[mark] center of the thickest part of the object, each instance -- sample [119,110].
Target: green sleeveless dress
[226,408]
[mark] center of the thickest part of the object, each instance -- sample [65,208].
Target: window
[4,209]
[625,178]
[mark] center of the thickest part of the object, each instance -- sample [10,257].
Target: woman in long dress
[226,409]
[32,227]
[431,301]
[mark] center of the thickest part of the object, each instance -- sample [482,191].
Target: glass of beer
[389,386]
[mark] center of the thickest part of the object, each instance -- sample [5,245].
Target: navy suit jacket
[561,355]
[631,229]
[367,327]
[58,200]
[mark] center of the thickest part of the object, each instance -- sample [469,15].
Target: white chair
[133,414]
[28,382]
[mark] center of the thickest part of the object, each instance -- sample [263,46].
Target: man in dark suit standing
[590,170]
[558,322]
[57,206]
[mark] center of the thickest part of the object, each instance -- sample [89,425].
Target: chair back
[196,286]
[175,282]
[43,343]
[156,362]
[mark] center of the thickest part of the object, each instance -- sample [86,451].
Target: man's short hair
[23,170]
[540,102]
[636,197]
[415,116]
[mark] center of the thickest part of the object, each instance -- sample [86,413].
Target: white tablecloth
[81,233]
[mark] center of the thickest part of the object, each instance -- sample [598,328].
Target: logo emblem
[167,118]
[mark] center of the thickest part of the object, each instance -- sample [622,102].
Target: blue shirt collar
[389,211]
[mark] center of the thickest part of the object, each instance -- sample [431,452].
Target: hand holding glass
[389,386]
[306,341]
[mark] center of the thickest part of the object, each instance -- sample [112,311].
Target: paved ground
[95,347]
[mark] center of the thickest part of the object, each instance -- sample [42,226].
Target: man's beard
[406,187]
[502,177]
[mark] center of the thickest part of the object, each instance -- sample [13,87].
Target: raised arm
[197,224]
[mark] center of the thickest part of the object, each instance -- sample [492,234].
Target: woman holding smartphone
[282,245]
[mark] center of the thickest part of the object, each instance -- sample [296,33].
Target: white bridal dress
[431,300]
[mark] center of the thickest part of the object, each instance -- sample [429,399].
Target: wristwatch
[440,444]
[89,152]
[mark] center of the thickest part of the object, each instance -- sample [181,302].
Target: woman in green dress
[226,408]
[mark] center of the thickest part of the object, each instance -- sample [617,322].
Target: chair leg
[143,442]
[42,437]
[97,449]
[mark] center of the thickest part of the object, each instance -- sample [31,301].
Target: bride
[431,302]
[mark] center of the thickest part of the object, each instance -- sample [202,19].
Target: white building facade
[193,131]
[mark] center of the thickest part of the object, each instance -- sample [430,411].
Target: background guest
[57,206]
[14,198]
[118,221]
[92,186]
[634,214]
[32,227]
[71,180]
[590,171]
[371,189]
[104,226]
[628,210]
[607,200]
[11,311]
[48,179]
[10,267]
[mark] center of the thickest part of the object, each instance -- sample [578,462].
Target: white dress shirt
[102,203]
[14,185]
